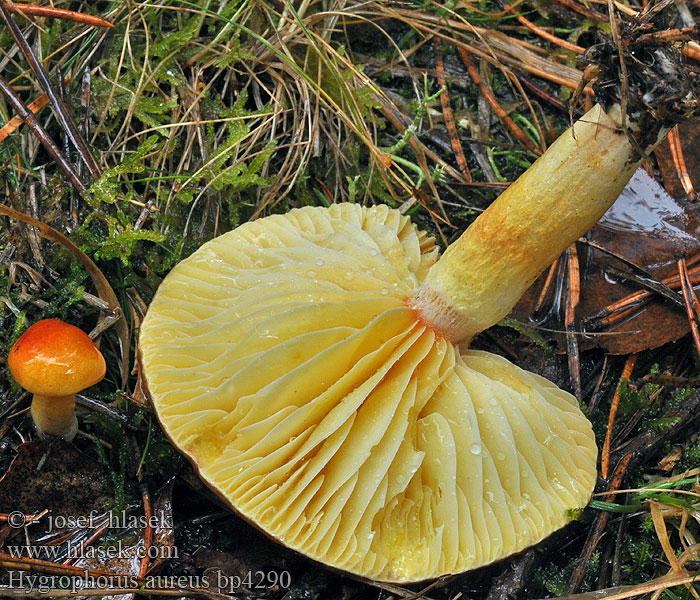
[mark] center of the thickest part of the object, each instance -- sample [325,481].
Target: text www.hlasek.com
[79,550]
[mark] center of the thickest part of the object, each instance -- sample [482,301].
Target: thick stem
[55,415]
[485,272]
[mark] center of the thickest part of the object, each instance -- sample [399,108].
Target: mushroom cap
[284,359]
[53,358]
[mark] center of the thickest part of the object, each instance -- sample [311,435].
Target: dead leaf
[649,228]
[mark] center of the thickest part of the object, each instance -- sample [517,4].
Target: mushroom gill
[286,361]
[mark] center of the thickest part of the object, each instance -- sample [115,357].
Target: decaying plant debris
[189,119]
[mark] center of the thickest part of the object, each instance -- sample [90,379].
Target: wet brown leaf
[648,228]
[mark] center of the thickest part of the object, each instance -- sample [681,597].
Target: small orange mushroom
[54,360]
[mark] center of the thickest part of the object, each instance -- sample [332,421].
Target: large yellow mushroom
[315,369]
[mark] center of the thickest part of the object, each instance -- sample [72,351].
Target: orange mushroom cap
[53,358]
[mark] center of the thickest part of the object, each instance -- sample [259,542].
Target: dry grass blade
[104,289]
[633,591]
[495,47]
[662,535]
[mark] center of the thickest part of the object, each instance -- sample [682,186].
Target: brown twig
[539,68]
[15,122]
[57,13]
[497,108]
[98,533]
[58,106]
[401,122]
[624,84]
[539,90]
[674,142]
[25,519]
[543,33]
[572,300]
[582,9]
[667,36]
[624,378]
[684,417]
[690,300]
[667,380]
[599,388]
[546,287]
[626,306]
[148,531]
[596,531]
[45,566]
[28,117]
[32,234]
[447,114]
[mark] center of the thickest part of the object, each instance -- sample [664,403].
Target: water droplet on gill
[476,449]
[480,410]
[501,456]
[311,273]
[493,401]
[490,496]
[349,276]
[373,252]
[319,261]
[384,291]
